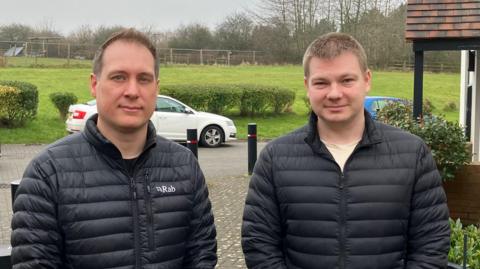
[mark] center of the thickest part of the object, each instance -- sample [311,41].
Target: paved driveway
[225,169]
[228,160]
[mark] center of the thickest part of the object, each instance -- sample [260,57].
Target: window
[167,105]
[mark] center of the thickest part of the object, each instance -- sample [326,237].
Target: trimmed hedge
[283,100]
[26,103]
[255,99]
[62,100]
[9,98]
[193,95]
[218,98]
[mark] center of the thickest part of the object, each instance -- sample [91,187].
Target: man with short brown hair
[344,191]
[116,195]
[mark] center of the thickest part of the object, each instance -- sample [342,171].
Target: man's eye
[118,77]
[348,80]
[145,79]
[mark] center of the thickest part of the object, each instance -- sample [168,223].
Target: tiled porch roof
[434,19]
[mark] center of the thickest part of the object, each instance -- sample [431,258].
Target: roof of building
[442,19]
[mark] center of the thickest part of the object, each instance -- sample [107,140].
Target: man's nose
[132,88]
[335,91]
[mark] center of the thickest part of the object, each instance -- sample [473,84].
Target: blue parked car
[373,104]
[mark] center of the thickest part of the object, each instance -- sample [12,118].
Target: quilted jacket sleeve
[261,229]
[36,240]
[429,230]
[202,245]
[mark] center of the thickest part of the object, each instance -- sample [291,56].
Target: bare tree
[15,32]
[82,35]
[235,32]
[192,36]
[46,28]
[102,33]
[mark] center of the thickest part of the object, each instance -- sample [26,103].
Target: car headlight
[230,123]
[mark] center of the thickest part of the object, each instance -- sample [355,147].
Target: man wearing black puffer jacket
[116,195]
[344,191]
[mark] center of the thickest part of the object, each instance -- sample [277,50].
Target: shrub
[455,254]
[445,139]
[223,97]
[9,98]
[450,106]
[62,100]
[428,106]
[26,106]
[218,98]
[255,100]
[193,95]
[282,100]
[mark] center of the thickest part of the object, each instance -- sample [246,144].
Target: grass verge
[47,127]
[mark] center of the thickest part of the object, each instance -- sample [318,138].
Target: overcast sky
[67,15]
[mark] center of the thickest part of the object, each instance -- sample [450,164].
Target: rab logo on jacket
[165,189]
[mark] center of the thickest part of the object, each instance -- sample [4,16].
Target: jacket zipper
[135,209]
[343,208]
[148,204]
[343,211]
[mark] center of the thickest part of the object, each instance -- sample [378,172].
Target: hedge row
[18,105]
[62,101]
[249,99]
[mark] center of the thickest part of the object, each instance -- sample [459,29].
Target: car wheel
[212,136]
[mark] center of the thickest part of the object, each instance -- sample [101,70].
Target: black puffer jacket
[386,210]
[76,207]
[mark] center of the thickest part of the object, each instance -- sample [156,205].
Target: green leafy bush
[26,104]
[62,100]
[195,96]
[218,98]
[255,99]
[222,98]
[445,139]
[428,106]
[455,254]
[450,106]
[9,98]
[282,100]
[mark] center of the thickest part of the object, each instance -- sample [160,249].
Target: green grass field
[439,88]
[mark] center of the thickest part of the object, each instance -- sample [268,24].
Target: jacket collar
[102,144]
[371,134]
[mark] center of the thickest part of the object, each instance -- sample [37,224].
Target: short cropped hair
[128,35]
[331,45]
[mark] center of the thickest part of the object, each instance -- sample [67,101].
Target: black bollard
[13,187]
[5,251]
[252,146]
[192,141]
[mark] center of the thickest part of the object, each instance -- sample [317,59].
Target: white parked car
[171,118]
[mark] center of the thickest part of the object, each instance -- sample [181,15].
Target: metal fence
[209,57]
[58,54]
[40,53]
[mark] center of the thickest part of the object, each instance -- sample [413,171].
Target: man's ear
[93,85]
[305,84]
[368,80]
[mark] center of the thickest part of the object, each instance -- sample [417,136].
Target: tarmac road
[227,160]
